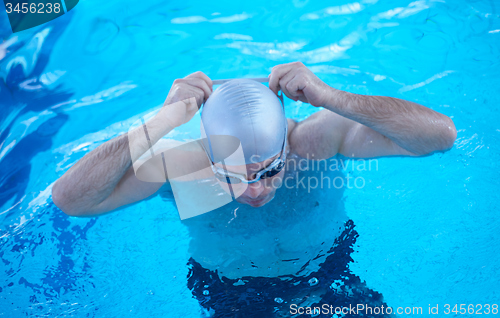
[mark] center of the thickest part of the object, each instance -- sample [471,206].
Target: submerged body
[283,237]
[278,260]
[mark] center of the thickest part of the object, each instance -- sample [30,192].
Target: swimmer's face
[258,193]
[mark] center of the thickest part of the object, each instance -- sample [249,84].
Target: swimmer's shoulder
[182,161]
[291,126]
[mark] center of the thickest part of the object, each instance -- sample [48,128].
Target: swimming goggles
[235,178]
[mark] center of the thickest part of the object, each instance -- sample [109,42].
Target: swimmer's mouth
[255,202]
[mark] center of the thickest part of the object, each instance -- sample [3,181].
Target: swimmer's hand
[180,103]
[297,82]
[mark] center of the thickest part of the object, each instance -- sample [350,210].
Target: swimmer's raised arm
[104,179]
[358,125]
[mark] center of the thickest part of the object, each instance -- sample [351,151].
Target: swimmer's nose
[254,190]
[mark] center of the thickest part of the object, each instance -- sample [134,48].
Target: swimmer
[269,240]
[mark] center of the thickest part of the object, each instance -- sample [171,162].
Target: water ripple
[427,81]
[349,8]
[197,19]
[99,97]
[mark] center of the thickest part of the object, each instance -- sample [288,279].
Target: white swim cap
[249,111]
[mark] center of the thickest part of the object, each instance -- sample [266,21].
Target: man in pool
[249,256]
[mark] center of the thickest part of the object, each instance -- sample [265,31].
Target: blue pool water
[428,227]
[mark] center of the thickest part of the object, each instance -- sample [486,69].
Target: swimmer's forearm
[142,138]
[416,128]
[94,178]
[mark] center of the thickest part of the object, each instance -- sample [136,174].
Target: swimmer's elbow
[449,135]
[442,138]
[61,199]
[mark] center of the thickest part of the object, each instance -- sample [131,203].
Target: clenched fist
[185,98]
[297,82]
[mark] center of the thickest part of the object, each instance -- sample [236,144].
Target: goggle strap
[227,180]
